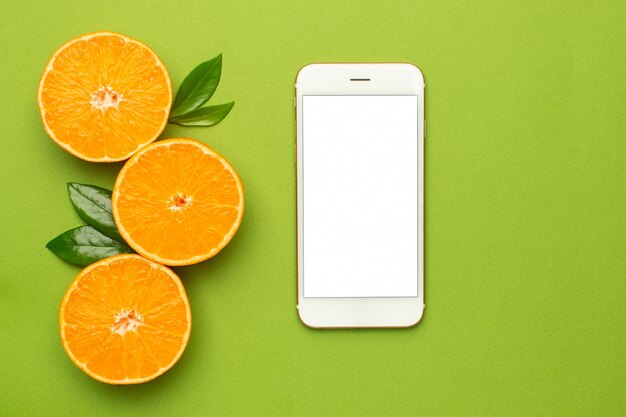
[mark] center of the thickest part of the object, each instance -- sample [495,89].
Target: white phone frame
[349,79]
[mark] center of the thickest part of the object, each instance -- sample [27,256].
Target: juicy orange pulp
[125,320]
[177,202]
[103,96]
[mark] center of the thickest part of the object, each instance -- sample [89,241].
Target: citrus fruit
[103,96]
[177,202]
[125,320]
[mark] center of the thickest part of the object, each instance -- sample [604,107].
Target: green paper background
[526,203]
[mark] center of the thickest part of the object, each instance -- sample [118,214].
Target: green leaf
[198,87]
[85,245]
[93,205]
[204,116]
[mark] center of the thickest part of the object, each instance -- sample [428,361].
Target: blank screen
[360,196]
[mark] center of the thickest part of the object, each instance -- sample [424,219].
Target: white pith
[106,97]
[127,321]
[180,201]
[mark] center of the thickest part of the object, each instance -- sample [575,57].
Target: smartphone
[360,194]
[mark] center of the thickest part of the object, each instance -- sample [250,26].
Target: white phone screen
[360,196]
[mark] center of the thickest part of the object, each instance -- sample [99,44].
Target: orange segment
[103,96]
[177,202]
[125,320]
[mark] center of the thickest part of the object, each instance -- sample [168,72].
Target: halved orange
[103,96]
[177,202]
[125,320]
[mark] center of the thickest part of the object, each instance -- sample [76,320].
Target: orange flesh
[125,320]
[103,96]
[178,202]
